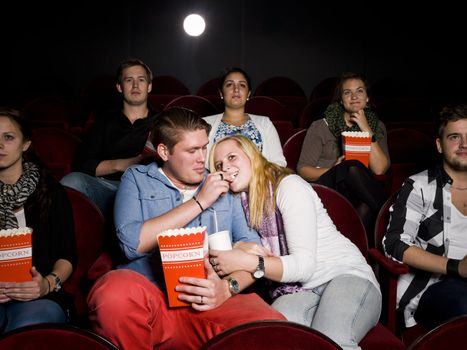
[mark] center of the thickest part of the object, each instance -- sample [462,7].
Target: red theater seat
[202,106]
[270,335]
[90,236]
[56,148]
[348,222]
[48,336]
[293,147]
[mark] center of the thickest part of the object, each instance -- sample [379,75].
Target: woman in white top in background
[317,276]
[235,90]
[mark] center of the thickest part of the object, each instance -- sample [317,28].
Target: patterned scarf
[14,196]
[334,116]
[273,238]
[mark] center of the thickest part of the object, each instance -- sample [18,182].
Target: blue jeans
[441,301]
[101,191]
[15,314]
[344,309]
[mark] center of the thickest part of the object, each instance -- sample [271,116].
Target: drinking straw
[215,221]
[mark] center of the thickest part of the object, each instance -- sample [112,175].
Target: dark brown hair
[230,70]
[451,113]
[343,78]
[42,196]
[131,62]
[170,123]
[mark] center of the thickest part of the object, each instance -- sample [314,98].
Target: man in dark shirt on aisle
[116,141]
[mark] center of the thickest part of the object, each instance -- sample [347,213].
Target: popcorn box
[357,146]
[15,255]
[182,253]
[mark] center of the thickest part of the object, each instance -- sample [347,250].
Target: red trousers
[133,313]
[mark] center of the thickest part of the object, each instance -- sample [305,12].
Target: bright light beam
[194,25]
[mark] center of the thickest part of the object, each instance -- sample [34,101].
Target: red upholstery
[293,106]
[285,129]
[286,91]
[388,270]
[388,274]
[449,335]
[159,101]
[411,151]
[168,85]
[56,148]
[348,222]
[270,335]
[53,337]
[279,86]
[50,111]
[313,111]
[381,338]
[293,147]
[100,94]
[344,216]
[216,101]
[210,90]
[324,89]
[89,232]
[427,127]
[210,87]
[403,108]
[266,106]
[198,104]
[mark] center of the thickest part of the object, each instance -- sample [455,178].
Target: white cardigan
[272,148]
[318,252]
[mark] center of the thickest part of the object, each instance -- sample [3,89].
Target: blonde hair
[264,175]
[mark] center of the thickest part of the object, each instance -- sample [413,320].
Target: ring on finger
[202,300]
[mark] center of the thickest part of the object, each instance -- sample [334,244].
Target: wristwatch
[260,268]
[234,287]
[58,282]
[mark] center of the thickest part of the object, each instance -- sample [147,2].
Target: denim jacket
[145,193]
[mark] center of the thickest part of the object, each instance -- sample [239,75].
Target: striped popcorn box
[357,146]
[183,252]
[16,255]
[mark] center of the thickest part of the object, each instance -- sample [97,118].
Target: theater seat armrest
[101,266]
[393,267]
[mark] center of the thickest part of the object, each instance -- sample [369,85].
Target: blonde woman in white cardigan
[316,276]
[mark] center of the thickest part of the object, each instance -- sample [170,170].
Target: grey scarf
[273,237]
[14,196]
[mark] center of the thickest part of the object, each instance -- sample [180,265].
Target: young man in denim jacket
[128,305]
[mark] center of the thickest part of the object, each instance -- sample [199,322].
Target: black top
[53,236]
[114,137]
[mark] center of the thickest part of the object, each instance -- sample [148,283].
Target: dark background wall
[59,47]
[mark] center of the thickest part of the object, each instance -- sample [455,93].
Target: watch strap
[259,272]
[58,282]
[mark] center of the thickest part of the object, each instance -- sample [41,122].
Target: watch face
[234,286]
[258,274]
